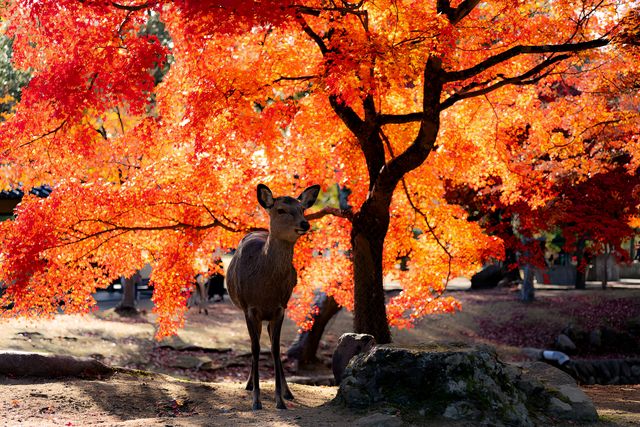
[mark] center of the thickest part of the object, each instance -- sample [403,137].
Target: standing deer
[261,278]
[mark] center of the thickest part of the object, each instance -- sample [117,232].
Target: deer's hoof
[257,406]
[280,405]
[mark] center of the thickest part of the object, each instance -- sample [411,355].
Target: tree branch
[122,229]
[309,31]
[451,76]
[341,213]
[463,10]
[51,132]
[296,78]
[399,119]
[419,150]
[347,115]
[133,8]
[456,15]
[518,80]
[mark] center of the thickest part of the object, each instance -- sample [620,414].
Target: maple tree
[388,98]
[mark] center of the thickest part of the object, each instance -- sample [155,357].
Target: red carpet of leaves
[508,322]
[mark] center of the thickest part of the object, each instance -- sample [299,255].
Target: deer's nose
[305,225]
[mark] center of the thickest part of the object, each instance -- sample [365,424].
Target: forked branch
[452,76]
[530,77]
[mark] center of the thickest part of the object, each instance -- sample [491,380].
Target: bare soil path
[206,385]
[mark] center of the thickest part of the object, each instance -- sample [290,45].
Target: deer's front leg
[254,325]
[275,327]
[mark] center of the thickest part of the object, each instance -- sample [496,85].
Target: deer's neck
[279,253]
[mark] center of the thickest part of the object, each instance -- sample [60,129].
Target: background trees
[391,99]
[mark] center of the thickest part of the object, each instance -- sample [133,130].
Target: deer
[201,295]
[261,278]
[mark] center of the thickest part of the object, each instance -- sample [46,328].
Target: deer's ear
[265,197]
[309,196]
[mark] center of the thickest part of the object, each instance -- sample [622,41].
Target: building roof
[9,199]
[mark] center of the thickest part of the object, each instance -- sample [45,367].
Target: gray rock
[186,361]
[461,411]
[562,386]
[610,371]
[349,345]
[318,380]
[565,344]
[379,420]
[532,353]
[595,338]
[453,382]
[462,384]
[558,408]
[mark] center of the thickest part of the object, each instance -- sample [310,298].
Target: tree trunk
[605,277]
[512,271]
[581,271]
[127,306]
[305,348]
[528,292]
[367,238]
[370,224]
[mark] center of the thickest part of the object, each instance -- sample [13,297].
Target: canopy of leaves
[164,170]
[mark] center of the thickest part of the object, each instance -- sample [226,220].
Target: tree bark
[370,227]
[305,348]
[605,277]
[371,223]
[528,291]
[581,271]
[512,271]
[127,305]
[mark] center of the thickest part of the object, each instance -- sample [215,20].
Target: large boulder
[459,383]
[487,278]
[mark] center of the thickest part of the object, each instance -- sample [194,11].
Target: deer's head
[287,221]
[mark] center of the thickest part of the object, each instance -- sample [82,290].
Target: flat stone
[379,420]
[185,361]
[318,380]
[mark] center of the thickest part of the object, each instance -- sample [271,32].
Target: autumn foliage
[391,99]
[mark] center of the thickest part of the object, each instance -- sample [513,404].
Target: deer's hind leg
[282,389]
[254,325]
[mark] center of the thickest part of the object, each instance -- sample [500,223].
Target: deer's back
[256,282]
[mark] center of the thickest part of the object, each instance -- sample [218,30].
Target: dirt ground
[199,375]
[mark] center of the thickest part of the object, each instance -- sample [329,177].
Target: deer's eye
[281,211]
